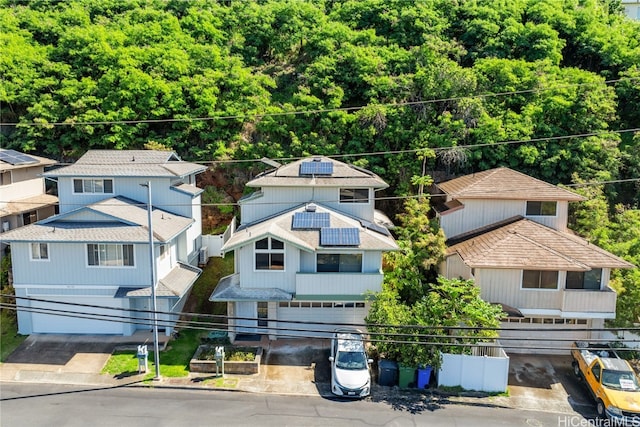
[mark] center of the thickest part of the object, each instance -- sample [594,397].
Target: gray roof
[343,175]
[175,284]
[188,189]
[140,163]
[120,220]
[280,226]
[229,289]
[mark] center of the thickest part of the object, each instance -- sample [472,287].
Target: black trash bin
[387,373]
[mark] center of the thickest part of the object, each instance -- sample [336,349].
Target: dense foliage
[430,73]
[548,87]
[414,303]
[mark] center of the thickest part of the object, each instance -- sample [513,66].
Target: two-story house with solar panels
[308,249]
[87,269]
[508,231]
[23,198]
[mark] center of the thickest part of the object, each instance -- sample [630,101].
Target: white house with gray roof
[87,270]
[307,251]
[508,231]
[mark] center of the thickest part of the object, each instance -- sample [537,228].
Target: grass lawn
[9,339]
[174,362]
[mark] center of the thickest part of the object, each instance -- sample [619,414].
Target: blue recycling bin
[424,375]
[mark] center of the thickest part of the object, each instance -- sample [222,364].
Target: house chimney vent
[311,207]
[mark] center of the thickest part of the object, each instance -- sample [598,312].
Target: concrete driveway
[294,366]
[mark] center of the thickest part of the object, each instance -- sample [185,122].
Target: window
[584,279]
[5,178]
[541,208]
[354,195]
[269,254]
[29,217]
[536,279]
[164,251]
[263,314]
[597,370]
[93,186]
[40,251]
[109,255]
[339,263]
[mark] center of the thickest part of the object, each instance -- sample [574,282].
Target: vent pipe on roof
[311,207]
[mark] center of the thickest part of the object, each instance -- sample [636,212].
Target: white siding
[550,339]
[504,286]
[479,213]
[282,279]
[329,319]
[453,267]
[280,199]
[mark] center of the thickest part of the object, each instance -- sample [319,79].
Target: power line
[378,337]
[317,111]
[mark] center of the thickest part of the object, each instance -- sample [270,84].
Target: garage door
[556,337]
[326,316]
[71,323]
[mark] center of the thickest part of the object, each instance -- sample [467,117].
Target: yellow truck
[610,380]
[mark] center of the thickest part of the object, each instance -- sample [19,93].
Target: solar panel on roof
[316,168]
[306,220]
[14,157]
[339,237]
[375,227]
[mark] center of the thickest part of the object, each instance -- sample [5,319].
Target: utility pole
[156,350]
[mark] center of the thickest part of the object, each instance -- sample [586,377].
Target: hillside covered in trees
[548,87]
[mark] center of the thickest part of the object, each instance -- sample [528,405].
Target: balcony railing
[337,283]
[589,301]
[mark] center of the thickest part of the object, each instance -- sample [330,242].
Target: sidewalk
[289,367]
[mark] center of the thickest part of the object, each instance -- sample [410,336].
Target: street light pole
[156,351]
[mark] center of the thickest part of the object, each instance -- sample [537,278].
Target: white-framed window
[109,255]
[269,254]
[584,279]
[539,279]
[540,208]
[39,251]
[354,195]
[338,263]
[93,186]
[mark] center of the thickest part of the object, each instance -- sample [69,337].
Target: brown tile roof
[343,175]
[504,183]
[28,204]
[525,244]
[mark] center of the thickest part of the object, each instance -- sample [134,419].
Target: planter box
[209,366]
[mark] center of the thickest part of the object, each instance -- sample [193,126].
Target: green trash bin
[406,376]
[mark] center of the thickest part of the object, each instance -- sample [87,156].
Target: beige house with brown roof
[23,198]
[508,232]
[308,249]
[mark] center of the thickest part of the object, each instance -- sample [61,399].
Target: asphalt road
[58,405]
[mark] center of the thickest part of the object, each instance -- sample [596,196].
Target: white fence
[629,339]
[214,242]
[487,371]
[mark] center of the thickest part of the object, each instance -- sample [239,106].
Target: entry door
[247,309]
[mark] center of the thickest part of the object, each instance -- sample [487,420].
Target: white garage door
[556,338]
[327,315]
[69,323]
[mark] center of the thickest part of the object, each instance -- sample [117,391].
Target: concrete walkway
[295,367]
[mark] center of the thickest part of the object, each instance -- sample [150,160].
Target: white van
[350,376]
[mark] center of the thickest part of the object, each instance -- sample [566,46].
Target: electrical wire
[442,340]
[317,111]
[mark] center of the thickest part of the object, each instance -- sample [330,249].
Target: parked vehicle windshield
[351,360]
[620,380]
